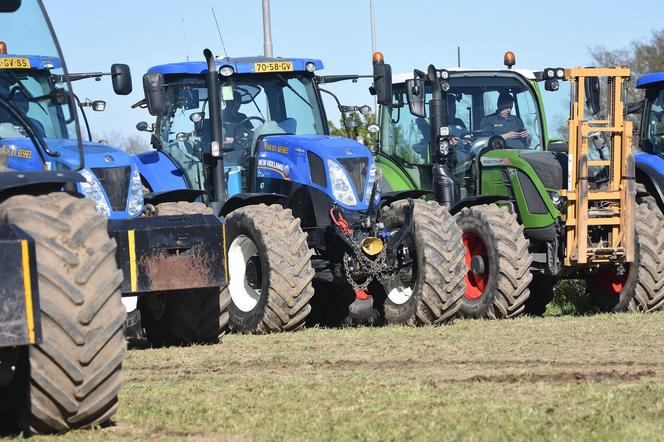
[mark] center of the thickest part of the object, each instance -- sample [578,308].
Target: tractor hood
[344,169]
[112,179]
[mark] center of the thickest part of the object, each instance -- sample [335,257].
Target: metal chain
[377,268]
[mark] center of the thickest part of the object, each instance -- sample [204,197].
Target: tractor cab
[33,84]
[262,100]
[480,105]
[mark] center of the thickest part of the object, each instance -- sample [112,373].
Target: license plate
[274,66]
[14,63]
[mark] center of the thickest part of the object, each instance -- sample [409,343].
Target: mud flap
[19,298]
[164,253]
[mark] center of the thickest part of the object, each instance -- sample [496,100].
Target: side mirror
[593,92]
[10,5]
[98,105]
[416,93]
[121,76]
[155,94]
[382,83]
[142,126]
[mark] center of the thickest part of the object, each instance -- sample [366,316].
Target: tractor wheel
[73,377]
[640,290]
[497,263]
[269,270]
[185,317]
[429,290]
[541,294]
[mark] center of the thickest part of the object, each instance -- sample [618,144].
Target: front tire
[497,263]
[431,290]
[72,379]
[269,270]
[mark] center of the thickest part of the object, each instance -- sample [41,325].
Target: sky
[143,33]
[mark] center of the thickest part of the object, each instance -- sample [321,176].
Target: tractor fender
[172,196]
[388,198]
[159,172]
[650,173]
[249,199]
[476,201]
[37,182]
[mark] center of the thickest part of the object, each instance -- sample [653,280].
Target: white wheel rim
[397,292]
[244,297]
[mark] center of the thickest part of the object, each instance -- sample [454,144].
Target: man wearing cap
[508,126]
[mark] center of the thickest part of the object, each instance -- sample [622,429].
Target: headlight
[341,187]
[91,188]
[556,199]
[135,202]
[310,67]
[370,183]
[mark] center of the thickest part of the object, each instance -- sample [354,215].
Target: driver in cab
[508,126]
[236,124]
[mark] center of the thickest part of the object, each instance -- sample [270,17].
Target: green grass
[555,378]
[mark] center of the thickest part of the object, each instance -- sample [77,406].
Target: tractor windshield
[654,136]
[479,106]
[253,106]
[33,85]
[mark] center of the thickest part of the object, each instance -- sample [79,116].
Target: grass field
[556,378]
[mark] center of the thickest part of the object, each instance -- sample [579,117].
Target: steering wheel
[242,141]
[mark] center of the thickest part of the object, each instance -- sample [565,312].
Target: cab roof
[35,62]
[527,73]
[650,79]
[241,65]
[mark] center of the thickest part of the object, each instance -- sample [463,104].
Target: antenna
[223,46]
[186,46]
[458,56]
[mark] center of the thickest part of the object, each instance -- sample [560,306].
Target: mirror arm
[340,107]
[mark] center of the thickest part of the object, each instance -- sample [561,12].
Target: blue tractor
[61,341]
[249,137]
[169,250]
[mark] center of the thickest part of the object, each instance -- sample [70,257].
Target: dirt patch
[179,270]
[563,377]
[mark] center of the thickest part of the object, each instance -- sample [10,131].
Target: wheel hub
[254,272]
[477,274]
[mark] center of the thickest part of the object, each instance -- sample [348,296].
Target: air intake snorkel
[440,148]
[216,150]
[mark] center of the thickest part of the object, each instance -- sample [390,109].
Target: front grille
[115,181]
[357,169]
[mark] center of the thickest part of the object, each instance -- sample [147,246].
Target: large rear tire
[72,379]
[269,270]
[430,290]
[497,263]
[641,290]
[184,317]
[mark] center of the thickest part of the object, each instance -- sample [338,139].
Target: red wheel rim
[610,282]
[475,284]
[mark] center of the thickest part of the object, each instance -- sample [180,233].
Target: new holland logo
[108,158]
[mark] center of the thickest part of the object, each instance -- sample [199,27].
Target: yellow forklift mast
[599,221]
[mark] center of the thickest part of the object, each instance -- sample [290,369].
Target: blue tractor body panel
[649,166]
[287,157]
[22,155]
[240,65]
[160,172]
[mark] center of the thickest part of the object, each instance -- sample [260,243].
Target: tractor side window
[405,136]
[298,99]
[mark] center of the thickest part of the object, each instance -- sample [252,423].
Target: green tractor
[532,209]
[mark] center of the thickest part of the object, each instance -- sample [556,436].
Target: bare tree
[132,144]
